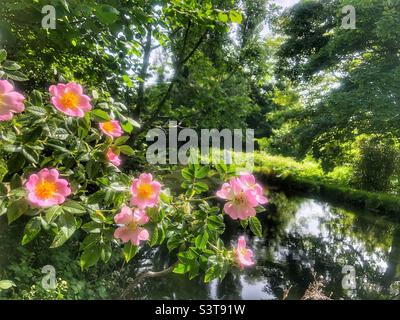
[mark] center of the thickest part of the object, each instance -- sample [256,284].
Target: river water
[350,254]
[306,241]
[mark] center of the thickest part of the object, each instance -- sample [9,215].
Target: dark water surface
[305,239]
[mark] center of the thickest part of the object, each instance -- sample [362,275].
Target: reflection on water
[305,239]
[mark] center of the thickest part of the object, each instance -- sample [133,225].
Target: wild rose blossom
[243,256]
[241,200]
[250,182]
[111,128]
[243,195]
[145,191]
[10,101]
[131,222]
[69,99]
[113,158]
[46,189]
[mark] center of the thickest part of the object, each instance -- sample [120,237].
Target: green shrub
[376,164]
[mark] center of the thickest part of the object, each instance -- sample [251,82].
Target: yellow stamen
[108,126]
[69,100]
[45,189]
[145,191]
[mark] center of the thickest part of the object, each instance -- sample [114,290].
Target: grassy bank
[307,177]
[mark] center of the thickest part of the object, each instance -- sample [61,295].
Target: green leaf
[37,111]
[106,252]
[90,241]
[32,229]
[74,207]
[125,149]
[16,162]
[16,76]
[161,234]
[255,226]
[16,209]
[18,192]
[244,223]
[211,274]
[194,269]
[129,251]
[121,140]
[90,256]
[60,134]
[202,172]
[67,226]
[173,242]
[30,154]
[6,284]
[223,17]
[181,268]
[100,114]
[3,55]
[200,187]
[92,168]
[16,181]
[92,227]
[106,14]
[11,65]
[187,174]
[133,122]
[154,237]
[128,81]
[201,240]
[235,16]
[127,127]
[52,213]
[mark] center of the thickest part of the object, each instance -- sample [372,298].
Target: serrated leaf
[90,256]
[16,209]
[201,240]
[73,207]
[52,213]
[6,284]
[125,149]
[154,237]
[100,114]
[255,226]
[202,172]
[16,76]
[129,251]
[32,229]
[181,268]
[66,228]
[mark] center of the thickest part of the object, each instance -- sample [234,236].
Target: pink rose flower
[113,158]
[130,222]
[249,182]
[111,128]
[69,99]
[10,101]
[243,256]
[145,191]
[241,200]
[45,189]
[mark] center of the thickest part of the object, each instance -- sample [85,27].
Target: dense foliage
[77,101]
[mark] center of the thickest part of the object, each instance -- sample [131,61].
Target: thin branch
[144,275]
[156,113]
[195,47]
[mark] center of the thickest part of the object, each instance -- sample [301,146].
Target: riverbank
[308,178]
